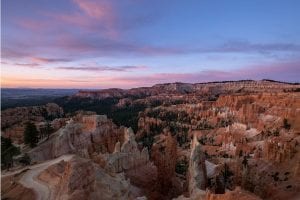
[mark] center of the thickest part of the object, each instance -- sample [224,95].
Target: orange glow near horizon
[103,44]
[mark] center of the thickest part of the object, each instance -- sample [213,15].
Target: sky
[133,43]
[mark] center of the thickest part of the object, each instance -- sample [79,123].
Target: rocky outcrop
[127,156]
[13,119]
[263,110]
[197,169]
[244,133]
[11,189]
[12,116]
[78,179]
[279,149]
[94,137]
[164,157]
[82,179]
[85,136]
[238,193]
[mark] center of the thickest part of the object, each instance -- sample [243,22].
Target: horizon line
[207,82]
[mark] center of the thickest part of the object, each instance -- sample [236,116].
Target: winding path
[30,177]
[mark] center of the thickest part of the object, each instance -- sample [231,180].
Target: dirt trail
[30,177]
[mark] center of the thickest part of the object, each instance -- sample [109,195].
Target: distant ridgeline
[124,105]
[17,97]
[220,87]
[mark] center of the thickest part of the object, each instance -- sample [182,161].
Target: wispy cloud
[34,62]
[277,71]
[62,34]
[49,60]
[32,24]
[31,65]
[92,28]
[104,68]
[244,46]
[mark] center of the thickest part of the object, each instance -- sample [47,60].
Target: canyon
[202,141]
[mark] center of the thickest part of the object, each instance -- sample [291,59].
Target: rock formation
[279,149]
[197,169]
[14,119]
[218,140]
[198,88]
[94,136]
[80,178]
[164,157]
[127,156]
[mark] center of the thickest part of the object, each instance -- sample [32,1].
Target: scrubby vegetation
[126,116]
[147,141]
[31,134]
[8,150]
[286,124]
[182,167]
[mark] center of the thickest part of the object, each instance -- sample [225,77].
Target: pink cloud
[48,60]
[288,71]
[32,24]
[98,10]
[94,16]
[31,65]
[34,62]
[75,19]
[95,68]
[277,71]
[102,13]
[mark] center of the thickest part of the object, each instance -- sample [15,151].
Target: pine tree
[8,150]
[31,134]
[286,125]
[48,129]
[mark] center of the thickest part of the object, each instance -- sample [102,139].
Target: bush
[25,160]
[31,134]
[182,138]
[8,150]
[181,167]
[147,141]
[276,133]
[286,125]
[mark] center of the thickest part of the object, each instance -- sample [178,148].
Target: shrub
[25,160]
[8,150]
[147,141]
[286,125]
[31,134]
[181,167]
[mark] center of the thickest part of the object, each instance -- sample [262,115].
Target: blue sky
[132,43]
